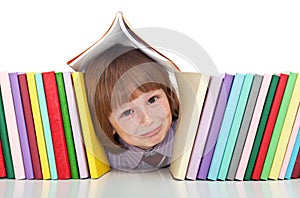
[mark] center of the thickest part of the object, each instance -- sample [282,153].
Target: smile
[153,132]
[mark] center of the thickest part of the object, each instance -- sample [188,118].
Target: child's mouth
[152,132]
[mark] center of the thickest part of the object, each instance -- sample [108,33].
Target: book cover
[204,125]
[292,149]
[36,164]
[296,169]
[215,127]
[235,127]
[75,124]
[245,124]
[278,126]
[67,125]
[192,90]
[37,120]
[11,124]
[253,127]
[261,127]
[56,126]
[96,156]
[2,164]
[46,124]
[226,125]
[262,151]
[285,135]
[15,89]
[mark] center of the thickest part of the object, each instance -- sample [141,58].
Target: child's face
[145,121]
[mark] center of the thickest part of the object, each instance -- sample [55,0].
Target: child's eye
[152,99]
[127,112]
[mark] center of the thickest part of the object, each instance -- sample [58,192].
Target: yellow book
[39,131]
[286,131]
[192,91]
[97,159]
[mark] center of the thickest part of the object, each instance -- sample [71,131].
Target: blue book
[293,158]
[226,126]
[235,127]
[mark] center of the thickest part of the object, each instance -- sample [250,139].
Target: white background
[259,36]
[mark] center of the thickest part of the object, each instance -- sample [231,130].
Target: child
[135,105]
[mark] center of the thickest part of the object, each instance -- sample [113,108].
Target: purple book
[215,127]
[14,82]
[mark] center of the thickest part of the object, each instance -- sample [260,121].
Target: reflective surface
[150,184]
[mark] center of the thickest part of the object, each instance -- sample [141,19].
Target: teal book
[235,127]
[46,124]
[278,126]
[10,174]
[67,125]
[226,126]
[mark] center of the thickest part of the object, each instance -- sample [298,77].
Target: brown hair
[129,71]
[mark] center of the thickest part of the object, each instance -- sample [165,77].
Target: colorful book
[56,126]
[204,125]
[36,164]
[235,127]
[296,169]
[292,150]
[2,164]
[15,89]
[96,156]
[269,127]
[278,126]
[244,128]
[286,130]
[261,98]
[226,126]
[192,90]
[39,131]
[46,124]
[215,127]
[67,125]
[75,124]
[11,124]
[261,127]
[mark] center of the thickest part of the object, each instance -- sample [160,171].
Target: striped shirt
[132,158]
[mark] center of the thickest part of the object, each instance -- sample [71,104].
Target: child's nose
[145,118]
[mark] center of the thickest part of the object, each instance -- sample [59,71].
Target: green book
[261,126]
[5,143]
[67,125]
[278,125]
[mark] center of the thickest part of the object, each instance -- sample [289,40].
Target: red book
[2,165]
[296,169]
[37,171]
[269,127]
[56,126]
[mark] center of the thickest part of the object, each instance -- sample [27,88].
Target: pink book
[253,127]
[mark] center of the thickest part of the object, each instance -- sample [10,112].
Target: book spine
[278,126]
[56,126]
[67,125]
[235,127]
[261,127]
[97,160]
[269,127]
[225,127]
[46,124]
[253,127]
[296,169]
[75,124]
[2,163]
[36,164]
[291,152]
[215,127]
[285,135]
[11,124]
[15,89]
[37,120]
[243,131]
[204,124]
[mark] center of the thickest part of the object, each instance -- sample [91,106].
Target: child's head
[134,98]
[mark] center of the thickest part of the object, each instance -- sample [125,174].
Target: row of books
[45,128]
[238,127]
